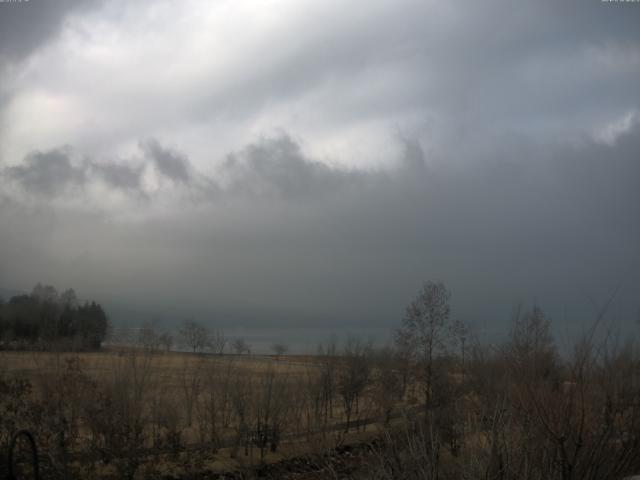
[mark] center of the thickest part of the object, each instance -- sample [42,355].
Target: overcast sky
[295,163]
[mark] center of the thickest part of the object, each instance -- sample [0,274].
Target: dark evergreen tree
[44,320]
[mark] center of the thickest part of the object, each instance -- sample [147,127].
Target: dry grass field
[517,411]
[124,412]
[168,366]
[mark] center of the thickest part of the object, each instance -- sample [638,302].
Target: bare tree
[217,342]
[166,340]
[354,376]
[387,391]
[279,349]
[320,384]
[214,404]
[191,382]
[117,416]
[531,346]
[542,417]
[240,346]
[148,338]
[194,335]
[460,333]
[241,392]
[425,334]
[270,410]
[426,330]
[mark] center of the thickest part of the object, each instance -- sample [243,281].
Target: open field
[516,411]
[223,412]
[168,365]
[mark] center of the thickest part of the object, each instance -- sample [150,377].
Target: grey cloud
[276,166]
[455,64]
[171,164]
[269,168]
[405,64]
[54,173]
[122,175]
[26,25]
[47,173]
[292,243]
[531,223]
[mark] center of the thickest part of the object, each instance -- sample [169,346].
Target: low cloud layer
[47,173]
[63,173]
[172,165]
[275,238]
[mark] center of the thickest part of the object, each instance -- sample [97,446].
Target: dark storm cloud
[319,245]
[277,167]
[55,172]
[173,165]
[26,25]
[122,175]
[551,222]
[47,173]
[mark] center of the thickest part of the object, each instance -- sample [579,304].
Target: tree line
[46,320]
[192,336]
